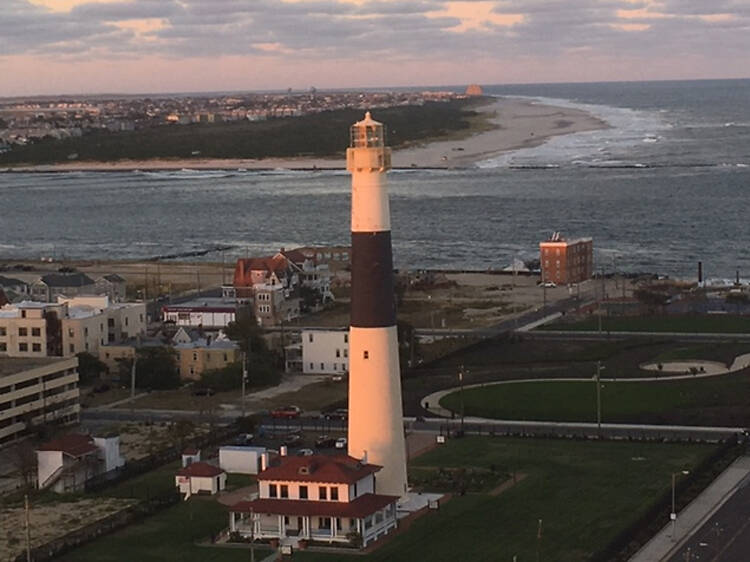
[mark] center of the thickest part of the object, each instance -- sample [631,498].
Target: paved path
[431,402]
[663,546]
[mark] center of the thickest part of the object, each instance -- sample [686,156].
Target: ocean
[666,186]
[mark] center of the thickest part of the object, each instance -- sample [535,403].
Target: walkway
[431,402]
[663,545]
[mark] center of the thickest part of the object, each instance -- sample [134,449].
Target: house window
[322,493]
[284,491]
[71,333]
[303,492]
[346,338]
[334,493]
[322,366]
[23,332]
[126,320]
[335,366]
[3,346]
[310,337]
[23,347]
[195,356]
[3,331]
[324,522]
[346,353]
[366,354]
[36,347]
[338,353]
[72,348]
[272,491]
[36,332]
[312,365]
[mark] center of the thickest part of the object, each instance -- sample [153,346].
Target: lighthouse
[376,426]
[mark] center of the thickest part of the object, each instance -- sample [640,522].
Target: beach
[518,124]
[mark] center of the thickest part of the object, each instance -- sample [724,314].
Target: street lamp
[461,373]
[597,379]
[673,515]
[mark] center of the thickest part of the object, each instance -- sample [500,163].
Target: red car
[286,412]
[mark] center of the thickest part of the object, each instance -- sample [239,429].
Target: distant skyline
[160,46]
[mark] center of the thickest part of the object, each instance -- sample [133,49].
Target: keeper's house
[326,499]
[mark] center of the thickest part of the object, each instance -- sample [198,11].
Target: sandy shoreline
[520,124]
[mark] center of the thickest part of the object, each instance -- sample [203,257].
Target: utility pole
[28,526]
[461,381]
[538,540]
[132,381]
[244,379]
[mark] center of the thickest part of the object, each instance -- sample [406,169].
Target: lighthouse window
[366,354]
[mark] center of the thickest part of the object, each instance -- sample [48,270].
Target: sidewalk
[663,545]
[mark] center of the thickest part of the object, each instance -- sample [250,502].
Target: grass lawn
[584,493]
[704,323]
[154,483]
[167,535]
[684,400]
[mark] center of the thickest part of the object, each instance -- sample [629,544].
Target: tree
[155,368]
[89,368]
[23,458]
[310,298]
[263,364]
[407,347]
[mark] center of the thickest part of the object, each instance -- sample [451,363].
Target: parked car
[325,442]
[548,285]
[337,378]
[305,453]
[337,414]
[203,391]
[287,412]
[244,439]
[292,440]
[341,443]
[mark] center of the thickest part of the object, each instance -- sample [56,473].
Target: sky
[137,46]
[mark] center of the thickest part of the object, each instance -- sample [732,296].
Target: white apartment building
[325,351]
[36,392]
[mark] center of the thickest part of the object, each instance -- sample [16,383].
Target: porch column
[282,528]
[333,527]
[306,526]
[256,525]
[232,526]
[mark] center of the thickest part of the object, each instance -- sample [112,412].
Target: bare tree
[23,458]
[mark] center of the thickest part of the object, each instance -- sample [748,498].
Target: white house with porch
[327,499]
[200,478]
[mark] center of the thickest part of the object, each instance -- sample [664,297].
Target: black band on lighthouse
[373,304]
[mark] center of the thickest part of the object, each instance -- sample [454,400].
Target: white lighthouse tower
[376,426]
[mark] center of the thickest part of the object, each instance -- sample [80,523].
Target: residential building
[36,392]
[206,354]
[241,459]
[70,326]
[566,261]
[329,499]
[48,287]
[111,285]
[112,354]
[325,352]
[65,464]
[200,478]
[13,287]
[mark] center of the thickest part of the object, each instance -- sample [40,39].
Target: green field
[584,492]
[684,401]
[703,323]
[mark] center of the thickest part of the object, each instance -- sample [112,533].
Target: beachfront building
[566,261]
[48,287]
[36,392]
[326,499]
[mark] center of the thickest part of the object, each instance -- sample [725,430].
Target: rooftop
[341,469]
[73,444]
[67,280]
[13,365]
[200,470]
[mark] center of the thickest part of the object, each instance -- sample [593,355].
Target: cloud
[420,31]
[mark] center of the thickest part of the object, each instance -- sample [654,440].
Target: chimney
[364,457]
[264,460]
[282,450]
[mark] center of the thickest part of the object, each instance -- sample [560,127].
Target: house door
[299,523]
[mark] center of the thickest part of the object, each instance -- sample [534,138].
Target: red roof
[341,469]
[191,451]
[271,264]
[73,444]
[201,469]
[362,506]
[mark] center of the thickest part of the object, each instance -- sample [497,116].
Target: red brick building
[566,261]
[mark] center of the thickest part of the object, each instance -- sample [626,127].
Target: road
[725,537]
